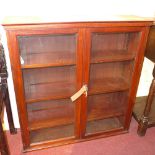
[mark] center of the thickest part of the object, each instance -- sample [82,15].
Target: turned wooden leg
[13,130]
[3,143]
[143,124]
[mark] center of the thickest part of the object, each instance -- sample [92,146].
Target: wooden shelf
[54,115]
[50,122]
[108,105]
[50,91]
[107,85]
[48,65]
[51,113]
[40,60]
[111,56]
[97,115]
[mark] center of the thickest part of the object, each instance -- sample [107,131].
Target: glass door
[49,65]
[111,62]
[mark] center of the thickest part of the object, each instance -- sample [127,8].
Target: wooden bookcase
[52,61]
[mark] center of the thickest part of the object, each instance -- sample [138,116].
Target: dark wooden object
[144,109]
[4,102]
[52,61]
[150,48]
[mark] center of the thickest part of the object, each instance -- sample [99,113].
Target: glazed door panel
[49,72]
[111,55]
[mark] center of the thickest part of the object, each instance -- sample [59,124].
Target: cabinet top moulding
[30,20]
[102,24]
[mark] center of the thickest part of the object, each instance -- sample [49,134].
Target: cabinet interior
[56,119]
[110,77]
[106,111]
[47,50]
[49,76]
[118,46]
[112,58]
[49,83]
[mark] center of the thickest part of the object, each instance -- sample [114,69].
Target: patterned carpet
[125,144]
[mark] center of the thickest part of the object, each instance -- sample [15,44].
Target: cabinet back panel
[51,113]
[47,48]
[53,74]
[44,82]
[115,42]
[110,76]
[56,133]
[105,125]
[114,70]
[104,105]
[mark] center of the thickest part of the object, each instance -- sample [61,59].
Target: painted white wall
[61,8]
[146,78]
[79,9]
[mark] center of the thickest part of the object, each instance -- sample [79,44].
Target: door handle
[83,90]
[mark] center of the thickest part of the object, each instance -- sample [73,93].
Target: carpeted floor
[125,144]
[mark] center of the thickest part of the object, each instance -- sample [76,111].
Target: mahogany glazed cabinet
[75,81]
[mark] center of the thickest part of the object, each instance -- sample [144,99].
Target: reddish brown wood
[43,50]
[111,71]
[86,61]
[66,141]
[62,57]
[59,81]
[19,90]
[110,77]
[111,56]
[136,73]
[51,113]
[31,26]
[65,63]
[79,84]
[150,46]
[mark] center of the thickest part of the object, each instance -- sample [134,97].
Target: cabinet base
[49,144]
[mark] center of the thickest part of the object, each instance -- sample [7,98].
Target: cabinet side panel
[18,84]
[136,73]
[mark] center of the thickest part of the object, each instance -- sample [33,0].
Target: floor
[125,144]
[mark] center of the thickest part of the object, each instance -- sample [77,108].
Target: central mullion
[79,84]
[85,69]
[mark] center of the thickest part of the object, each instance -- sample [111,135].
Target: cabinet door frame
[17,71]
[135,76]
